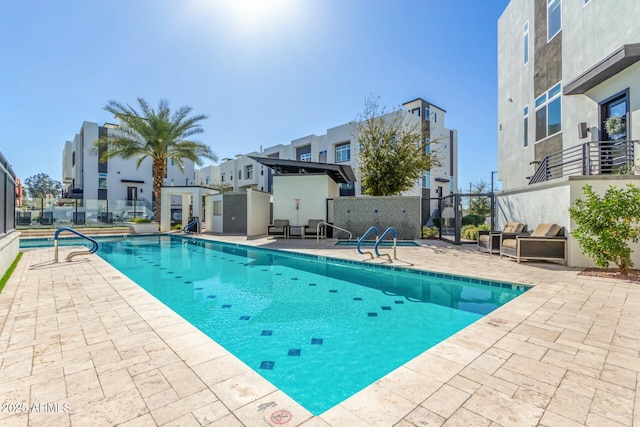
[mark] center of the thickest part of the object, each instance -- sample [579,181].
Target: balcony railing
[590,158]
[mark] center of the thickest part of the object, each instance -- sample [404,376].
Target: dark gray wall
[234,213]
[357,214]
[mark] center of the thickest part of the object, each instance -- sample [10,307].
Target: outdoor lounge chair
[490,240]
[311,229]
[46,218]
[280,227]
[547,243]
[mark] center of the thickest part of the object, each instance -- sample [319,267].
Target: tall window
[525,42]
[416,111]
[554,18]
[526,126]
[426,180]
[549,113]
[306,157]
[343,152]
[102,180]
[427,113]
[427,148]
[222,177]
[248,172]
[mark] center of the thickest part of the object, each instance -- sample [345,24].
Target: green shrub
[605,226]
[140,220]
[430,232]
[473,219]
[471,231]
[176,227]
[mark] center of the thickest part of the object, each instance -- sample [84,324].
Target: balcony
[590,158]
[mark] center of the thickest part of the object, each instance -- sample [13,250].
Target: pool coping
[494,371]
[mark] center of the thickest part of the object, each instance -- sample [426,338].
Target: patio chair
[546,243]
[280,227]
[23,218]
[490,240]
[46,218]
[311,229]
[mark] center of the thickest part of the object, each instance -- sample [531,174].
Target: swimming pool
[318,328]
[371,243]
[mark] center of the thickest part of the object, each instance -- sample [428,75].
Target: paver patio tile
[161,399]
[115,382]
[550,419]
[535,398]
[445,401]
[502,409]
[464,417]
[538,370]
[210,413]
[145,420]
[220,369]
[151,382]
[505,387]
[228,421]
[275,408]
[595,420]
[187,420]
[378,406]
[423,417]
[613,407]
[178,408]
[112,410]
[570,405]
[242,389]
[515,345]
[182,379]
[434,367]
[419,389]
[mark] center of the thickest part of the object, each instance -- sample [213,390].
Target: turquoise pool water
[319,329]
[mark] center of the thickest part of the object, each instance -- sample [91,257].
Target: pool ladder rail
[323,226]
[93,249]
[374,229]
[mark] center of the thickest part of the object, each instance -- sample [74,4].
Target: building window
[426,180]
[586,2]
[343,152]
[427,113]
[207,181]
[217,208]
[240,174]
[73,158]
[416,111]
[549,113]
[222,177]
[554,18]
[102,181]
[427,148]
[306,157]
[248,172]
[526,126]
[451,185]
[435,116]
[231,176]
[525,42]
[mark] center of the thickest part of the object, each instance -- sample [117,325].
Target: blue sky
[264,71]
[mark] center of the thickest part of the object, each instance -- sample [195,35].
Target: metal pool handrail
[364,236]
[395,240]
[330,225]
[93,249]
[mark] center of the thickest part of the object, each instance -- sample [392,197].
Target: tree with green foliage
[480,205]
[392,153]
[605,225]
[156,134]
[38,186]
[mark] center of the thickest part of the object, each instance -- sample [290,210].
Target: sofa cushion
[546,230]
[509,243]
[280,223]
[513,227]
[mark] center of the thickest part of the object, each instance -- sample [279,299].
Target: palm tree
[159,135]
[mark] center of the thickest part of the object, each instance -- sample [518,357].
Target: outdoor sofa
[546,243]
[490,240]
[280,227]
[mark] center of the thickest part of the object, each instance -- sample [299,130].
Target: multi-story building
[562,71]
[565,68]
[338,145]
[85,177]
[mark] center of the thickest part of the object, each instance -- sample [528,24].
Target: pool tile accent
[226,305]
[333,291]
[245,317]
[317,341]
[385,307]
[357,299]
[399,302]
[372,314]
[267,364]
[266,333]
[294,352]
[211,296]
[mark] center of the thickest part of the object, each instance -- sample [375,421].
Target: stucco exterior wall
[312,191]
[550,202]
[357,214]
[258,206]
[9,248]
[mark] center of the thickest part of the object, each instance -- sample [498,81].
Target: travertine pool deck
[82,345]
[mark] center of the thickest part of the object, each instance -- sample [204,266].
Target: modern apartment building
[85,177]
[566,68]
[339,146]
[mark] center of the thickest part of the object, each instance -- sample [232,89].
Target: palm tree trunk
[158,178]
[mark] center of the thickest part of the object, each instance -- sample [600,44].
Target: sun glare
[248,17]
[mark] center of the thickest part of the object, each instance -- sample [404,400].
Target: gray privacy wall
[357,214]
[234,213]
